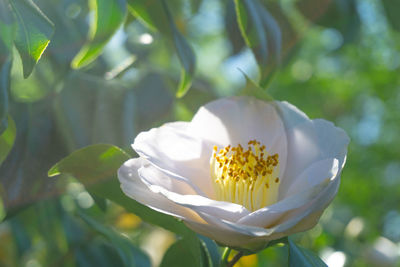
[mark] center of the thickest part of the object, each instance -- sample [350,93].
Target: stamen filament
[248,177]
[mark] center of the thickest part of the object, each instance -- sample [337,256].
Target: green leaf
[262,34]
[210,250]
[251,27]
[2,209]
[150,12]
[184,252]
[5,70]
[301,257]
[185,54]
[33,33]
[97,253]
[253,89]
[7,32]
[392,10]
[157,16]
[96,168]
[184,84]
[91,164]
[108,17]
[7,139]
[130,255]
[232,28]
[7,29]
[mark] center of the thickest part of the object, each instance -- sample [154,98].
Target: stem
[225,255]
[235,259]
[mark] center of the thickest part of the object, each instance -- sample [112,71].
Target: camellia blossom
[243,172]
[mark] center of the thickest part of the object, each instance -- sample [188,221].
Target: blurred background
[334,59]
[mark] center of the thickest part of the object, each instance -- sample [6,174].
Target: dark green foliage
[334,59]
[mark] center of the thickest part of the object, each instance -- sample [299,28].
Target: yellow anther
[249,178]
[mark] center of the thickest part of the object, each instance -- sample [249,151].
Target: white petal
[302,194]
[246,236]
[177,184]
[307,217]
[226,236]
[309,141]
[301,146]
[235,120]
[332,141]
[315,174]
[197,203]
[177,152]
[133,187]
[235,234]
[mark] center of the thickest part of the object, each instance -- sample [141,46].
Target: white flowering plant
[244,172]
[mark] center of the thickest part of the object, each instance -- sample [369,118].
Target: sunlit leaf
[252,89]
[130,255]
[251,27]
[301,257]
[262,34]
[96,167]
[108,17]
[184,84]
[150,13]
[7,139]
[33,33]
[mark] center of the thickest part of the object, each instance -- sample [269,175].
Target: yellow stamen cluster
[248,177]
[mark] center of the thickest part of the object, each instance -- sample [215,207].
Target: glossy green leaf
[211,254]
[91,164]
[7,139]
[262,34]
[301,257]
[251,27]
[96,167]
[108,17]
[150,12]
[33,33]
[184,252]
[184,84]
[185,53]
[130,255]
[232,28]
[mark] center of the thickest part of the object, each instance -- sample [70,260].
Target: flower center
[248,177]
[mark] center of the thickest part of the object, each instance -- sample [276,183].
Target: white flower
[243,172]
